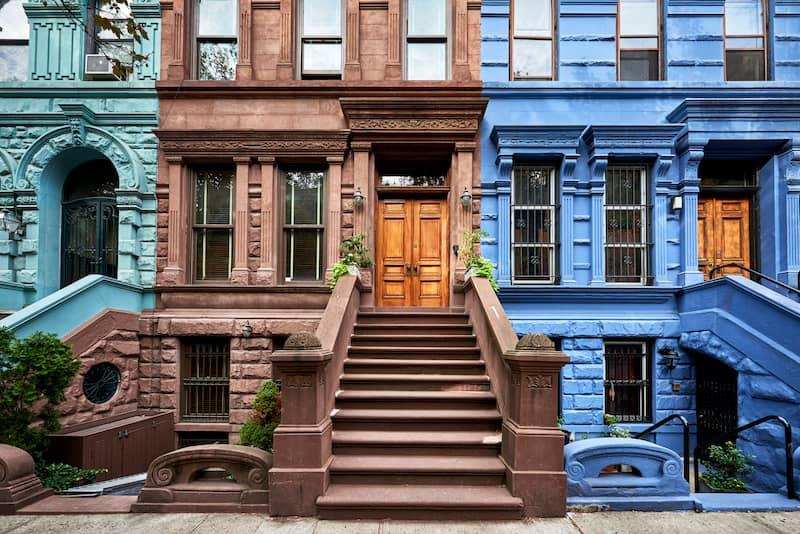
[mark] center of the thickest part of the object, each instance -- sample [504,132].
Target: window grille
[626,215]
[533,36]
[627,381]
[303,228]
[206,380]
[213,223]
[533,211]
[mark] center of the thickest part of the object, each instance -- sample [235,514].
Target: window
[533,211]
[206,380]
[426,40]
[745,51]
[213,224]
[302,226]
[626,214]
[13,42]
[216,39]
[321,39]
[627,381]
[532,46]
[638,43]
[107,42]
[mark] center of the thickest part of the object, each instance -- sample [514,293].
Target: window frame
[447,39]
[283,227]
[200,226]
[647,380]
[197,39]
[554,4]
[552,208]
[186,380]
[301,39]
[16,41]
[763,36]
[659,43]
[645,208]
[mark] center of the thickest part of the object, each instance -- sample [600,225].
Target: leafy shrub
[259,428]
[60,477]
[353,252]
[480,266]
[726,464]
[34,372]
[614,430]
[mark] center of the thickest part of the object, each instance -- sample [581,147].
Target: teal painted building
[77,152]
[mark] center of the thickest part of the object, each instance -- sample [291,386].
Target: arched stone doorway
[89,221]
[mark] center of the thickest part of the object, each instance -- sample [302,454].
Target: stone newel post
[533,445]
[303,441]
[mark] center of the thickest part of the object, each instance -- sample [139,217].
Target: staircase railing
[787,438]
[685,424]
[760,276]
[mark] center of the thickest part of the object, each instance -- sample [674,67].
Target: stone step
[418,400]
[403,468]
[392,419]
[393,327]
[428,318]
[436,442]
[414,353]
[402,366]
[418,502]
[410,338]
[414,382]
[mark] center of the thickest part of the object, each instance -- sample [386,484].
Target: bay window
[321,39]
[533,213]
[303,226]
[533,39]
[626,217]
[638,42]
[427,53]
[216,39]
[745,48]
[213,224]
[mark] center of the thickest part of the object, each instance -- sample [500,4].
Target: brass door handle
[416,269]
[408,268]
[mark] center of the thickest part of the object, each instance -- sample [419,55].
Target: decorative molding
[586,295]
[754,109]
[461,116]
[632,139]
[365,5]
[533,140]
[319,143]
[266,4]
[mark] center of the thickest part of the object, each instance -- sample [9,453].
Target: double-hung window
[205,373]
[745,48]
[213,223]
[626,215]
[321,39]
[13,42]
[303,226]
[627,381]
[427,53]
[216,36]
[533,211]
[638,44]
[532,44]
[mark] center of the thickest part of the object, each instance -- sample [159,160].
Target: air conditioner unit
[99,66]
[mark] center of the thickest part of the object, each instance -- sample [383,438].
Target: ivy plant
[354,252]
[473,261]
[60,477]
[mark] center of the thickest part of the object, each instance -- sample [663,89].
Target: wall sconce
[247,329]
[669,357]
[11,223]
[358,198]
[677,202]
[456,248]
[466,198]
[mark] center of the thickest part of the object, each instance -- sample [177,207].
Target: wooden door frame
[413,193]
[742,192]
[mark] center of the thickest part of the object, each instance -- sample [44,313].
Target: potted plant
[725,467]
[354,257]
[474,263]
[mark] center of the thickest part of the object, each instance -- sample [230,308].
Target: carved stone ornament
[302,341]
[537,341]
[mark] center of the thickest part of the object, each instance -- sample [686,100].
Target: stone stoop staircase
[416,429]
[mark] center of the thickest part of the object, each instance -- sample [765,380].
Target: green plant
[259,428]
[473,261]
[614,430]
[353,252]
[726,465]
[60,477]
[34,372]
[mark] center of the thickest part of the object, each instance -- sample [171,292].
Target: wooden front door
[411,257]
[723,233]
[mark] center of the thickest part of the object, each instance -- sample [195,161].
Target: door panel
[723,233]
[412,246]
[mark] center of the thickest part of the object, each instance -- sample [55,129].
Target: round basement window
[101,382]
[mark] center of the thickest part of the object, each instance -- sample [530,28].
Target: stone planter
[354,270]
[705,488]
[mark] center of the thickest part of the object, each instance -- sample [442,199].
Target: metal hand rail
[753,271]
[685,424]
[787,438]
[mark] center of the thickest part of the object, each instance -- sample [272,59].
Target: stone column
[659,221]
[690,189]
[597,187]
[504,258]
[531,425]
[266,267]
[178,224]
[361,151]
[568,189]
[461,42]
[352,66]
[286,56]
[129,206]
[792,221]
[461,216]
[303,441]
[176,69]
[244,65]
[240,275]
[333,225]
[394,35]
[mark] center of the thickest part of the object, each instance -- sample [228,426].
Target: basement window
[206,380]
[627,381]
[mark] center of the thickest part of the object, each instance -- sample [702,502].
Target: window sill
[193,426]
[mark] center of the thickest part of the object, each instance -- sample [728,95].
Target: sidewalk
[574,523]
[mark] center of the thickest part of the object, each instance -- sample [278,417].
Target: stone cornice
[579,295]
[278,143]
[718,109]
[632,139]
[537,139]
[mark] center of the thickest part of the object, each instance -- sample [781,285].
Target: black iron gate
[89,238]
[717,400]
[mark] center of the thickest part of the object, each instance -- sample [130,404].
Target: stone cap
[302,341]
[535,341]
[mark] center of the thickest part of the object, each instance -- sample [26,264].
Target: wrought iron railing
[685,424]
[759,276]
[787,438]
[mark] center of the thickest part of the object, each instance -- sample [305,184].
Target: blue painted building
[628,148]
[77,153]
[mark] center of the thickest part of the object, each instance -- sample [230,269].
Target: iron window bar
[627,381]
[685,424]
[626,227]
[787,439]
[534,224]
[760,276]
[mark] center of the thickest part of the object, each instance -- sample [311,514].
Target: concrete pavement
[574,523]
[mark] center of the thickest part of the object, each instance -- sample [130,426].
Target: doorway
[412,243]
[717,400]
